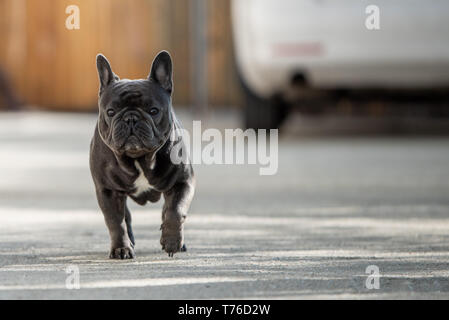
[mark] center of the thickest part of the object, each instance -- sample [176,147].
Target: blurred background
[50,67]
[261,59]
[358,89]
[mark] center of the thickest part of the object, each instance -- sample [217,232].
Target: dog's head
[135,116]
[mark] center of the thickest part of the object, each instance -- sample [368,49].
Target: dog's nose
[131,117]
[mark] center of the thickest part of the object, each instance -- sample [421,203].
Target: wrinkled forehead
[138,93]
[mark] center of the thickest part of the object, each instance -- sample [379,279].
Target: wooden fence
[52,67]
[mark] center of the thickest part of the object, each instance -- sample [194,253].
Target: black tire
[260,113]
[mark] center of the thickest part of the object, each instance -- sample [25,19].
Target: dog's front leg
[112,204]
[174,212]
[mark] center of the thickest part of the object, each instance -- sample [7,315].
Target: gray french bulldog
[130,152]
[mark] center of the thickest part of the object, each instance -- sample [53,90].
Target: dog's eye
[154,111]
[110,112]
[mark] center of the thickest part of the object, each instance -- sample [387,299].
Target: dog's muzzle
[135,133]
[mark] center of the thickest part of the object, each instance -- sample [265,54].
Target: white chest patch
[141,183]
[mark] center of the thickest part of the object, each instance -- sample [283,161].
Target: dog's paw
[122,253]
[172,242]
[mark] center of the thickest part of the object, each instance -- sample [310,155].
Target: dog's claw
[171,242]
[122,253]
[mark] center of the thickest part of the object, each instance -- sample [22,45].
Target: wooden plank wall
[54,68]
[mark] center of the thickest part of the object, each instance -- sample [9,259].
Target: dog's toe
[122,253]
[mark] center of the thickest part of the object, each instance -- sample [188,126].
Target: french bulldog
[135,134]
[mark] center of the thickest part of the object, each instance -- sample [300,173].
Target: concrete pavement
[336,206]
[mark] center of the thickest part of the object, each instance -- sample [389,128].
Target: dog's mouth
[134,147]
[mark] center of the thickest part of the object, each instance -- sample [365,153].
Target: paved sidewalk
[335,207]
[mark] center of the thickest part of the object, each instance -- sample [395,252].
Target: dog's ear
[105,73]
[162,71]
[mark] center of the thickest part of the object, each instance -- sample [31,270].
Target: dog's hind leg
[129,228]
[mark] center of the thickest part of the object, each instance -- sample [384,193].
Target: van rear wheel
[263,113]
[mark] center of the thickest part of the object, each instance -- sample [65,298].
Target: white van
[336,45]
